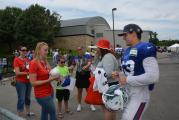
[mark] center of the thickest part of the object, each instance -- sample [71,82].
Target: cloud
[157,15]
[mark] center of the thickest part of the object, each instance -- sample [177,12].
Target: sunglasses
[24,50]
[62,62]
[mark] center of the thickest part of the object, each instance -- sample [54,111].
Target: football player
[140,71]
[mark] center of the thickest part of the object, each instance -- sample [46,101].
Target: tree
[168,42]
[8,18]
[153,38]
[36,24]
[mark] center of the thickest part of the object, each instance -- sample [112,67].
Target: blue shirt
[81,61]
[132,60]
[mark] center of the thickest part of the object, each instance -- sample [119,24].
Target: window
[99,35]
[92,31]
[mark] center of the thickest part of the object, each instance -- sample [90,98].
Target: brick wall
[72,42]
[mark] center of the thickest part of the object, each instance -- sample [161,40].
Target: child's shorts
[63,94]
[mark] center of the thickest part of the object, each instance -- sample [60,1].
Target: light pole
[113,26]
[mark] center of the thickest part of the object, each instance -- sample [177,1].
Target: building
[79,32]
[87,31]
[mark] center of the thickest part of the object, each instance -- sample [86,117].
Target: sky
[161,16]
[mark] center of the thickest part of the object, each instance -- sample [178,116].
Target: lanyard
[26,64]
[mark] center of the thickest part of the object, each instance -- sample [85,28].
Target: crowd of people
[136,68]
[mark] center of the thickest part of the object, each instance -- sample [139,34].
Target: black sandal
[60,115]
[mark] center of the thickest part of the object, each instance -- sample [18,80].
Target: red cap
[103,43]
[79,48]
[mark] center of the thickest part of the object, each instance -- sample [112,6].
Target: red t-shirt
[22,64]
[42,74]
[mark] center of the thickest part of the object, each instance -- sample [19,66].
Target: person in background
[56,56]
[23,86]
[70,58]
[118,53]
[83,63]
[16,53]
[41,81]
[30,55]
[119,50]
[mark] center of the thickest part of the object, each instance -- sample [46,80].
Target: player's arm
[150,76]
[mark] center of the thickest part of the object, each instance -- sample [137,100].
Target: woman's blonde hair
[37,53]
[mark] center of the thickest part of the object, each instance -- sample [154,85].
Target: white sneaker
[92,108]
[78,108]
[30,114]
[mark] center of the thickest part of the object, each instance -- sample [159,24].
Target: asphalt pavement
[163,104]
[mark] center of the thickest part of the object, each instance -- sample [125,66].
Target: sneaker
[30,114]
[92,108]
[78,108]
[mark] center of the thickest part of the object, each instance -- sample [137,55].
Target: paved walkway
[164,99]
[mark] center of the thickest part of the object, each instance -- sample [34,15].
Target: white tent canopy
[92,47]
[174,47]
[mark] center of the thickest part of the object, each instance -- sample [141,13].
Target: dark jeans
[24,94]
[48,108]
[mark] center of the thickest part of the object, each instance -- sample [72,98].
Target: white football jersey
[100,83]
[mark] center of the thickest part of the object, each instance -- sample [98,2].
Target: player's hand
[122,80]
[115,74]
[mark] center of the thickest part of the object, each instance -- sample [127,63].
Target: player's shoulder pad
[148,49]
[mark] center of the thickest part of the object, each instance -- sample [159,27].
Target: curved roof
[88,21]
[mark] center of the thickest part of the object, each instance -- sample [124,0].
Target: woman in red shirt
[23,86]
[41,81]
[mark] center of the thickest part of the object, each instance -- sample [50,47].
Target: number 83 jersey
[132,60]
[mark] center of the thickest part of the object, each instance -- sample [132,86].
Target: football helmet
[55,72]
[115,98]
